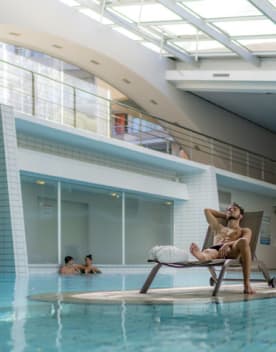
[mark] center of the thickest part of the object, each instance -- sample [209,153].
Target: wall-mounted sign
[265,237]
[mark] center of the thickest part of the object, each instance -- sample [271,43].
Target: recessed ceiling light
[57,46]
[168,203]
[115,195]
[126,80]
[94,62]
[153,102]
[15,34]
[40,182]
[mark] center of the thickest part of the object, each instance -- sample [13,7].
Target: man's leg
[242,248]
[207,254]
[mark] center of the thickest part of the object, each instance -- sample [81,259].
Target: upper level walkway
[38,95]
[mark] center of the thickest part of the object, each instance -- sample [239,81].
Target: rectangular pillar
[190,224]
[13,252]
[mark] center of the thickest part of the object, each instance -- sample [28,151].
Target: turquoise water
[29,326]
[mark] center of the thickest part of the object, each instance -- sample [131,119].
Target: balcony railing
[47,98]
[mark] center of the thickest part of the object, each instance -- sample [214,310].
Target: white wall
[56,166]
[83,40]
[189,221]
[255,202]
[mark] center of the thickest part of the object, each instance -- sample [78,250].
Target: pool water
[29,326]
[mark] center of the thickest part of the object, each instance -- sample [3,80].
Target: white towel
[168,254]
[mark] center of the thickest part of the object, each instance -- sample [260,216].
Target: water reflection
[122,327]
[27,326]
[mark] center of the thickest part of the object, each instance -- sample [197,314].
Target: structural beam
[134,28]
[211,31]
[229,87]
[254,81]
[266,8]
[222,75]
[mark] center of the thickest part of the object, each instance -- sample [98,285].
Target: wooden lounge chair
[253,221]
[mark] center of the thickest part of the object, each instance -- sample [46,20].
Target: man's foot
[196,252]
[248,290]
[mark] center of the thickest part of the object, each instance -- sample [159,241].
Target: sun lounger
[218,267]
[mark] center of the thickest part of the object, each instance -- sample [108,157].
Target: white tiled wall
[91,156]
[189,221]
[13,255]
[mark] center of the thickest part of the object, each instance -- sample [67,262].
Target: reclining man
[230,241]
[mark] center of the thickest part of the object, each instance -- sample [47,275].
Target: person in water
[89,268]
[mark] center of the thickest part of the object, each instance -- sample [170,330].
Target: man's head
[234,212]
[88,259]
[68,259]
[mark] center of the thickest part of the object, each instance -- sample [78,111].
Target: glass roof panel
[127,33]
[221,8]
[203,46]
[148,31]
[255,45]
[146,12]
[179,29]
[258,27]
[273,2]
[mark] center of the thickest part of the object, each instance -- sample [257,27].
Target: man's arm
[212,217]
[247,234]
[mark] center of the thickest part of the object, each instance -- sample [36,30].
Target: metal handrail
[168,132]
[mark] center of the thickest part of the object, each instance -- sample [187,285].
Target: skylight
[127,33]
[179,29]
[238,23]
[273,2]
[146,12]
[259,45]
[153,47]
[221,8]
[236,28]
[206,46]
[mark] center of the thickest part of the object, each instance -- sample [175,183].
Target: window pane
[91,224]
[149,222]
[221,8]
[40,215]
[234,28]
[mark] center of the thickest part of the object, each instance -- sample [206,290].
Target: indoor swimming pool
[31,326]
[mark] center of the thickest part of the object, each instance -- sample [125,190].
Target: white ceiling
[259,108]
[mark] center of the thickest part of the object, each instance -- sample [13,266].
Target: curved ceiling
[60,31]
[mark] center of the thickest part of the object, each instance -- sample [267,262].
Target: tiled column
[189,221]
[13,253]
